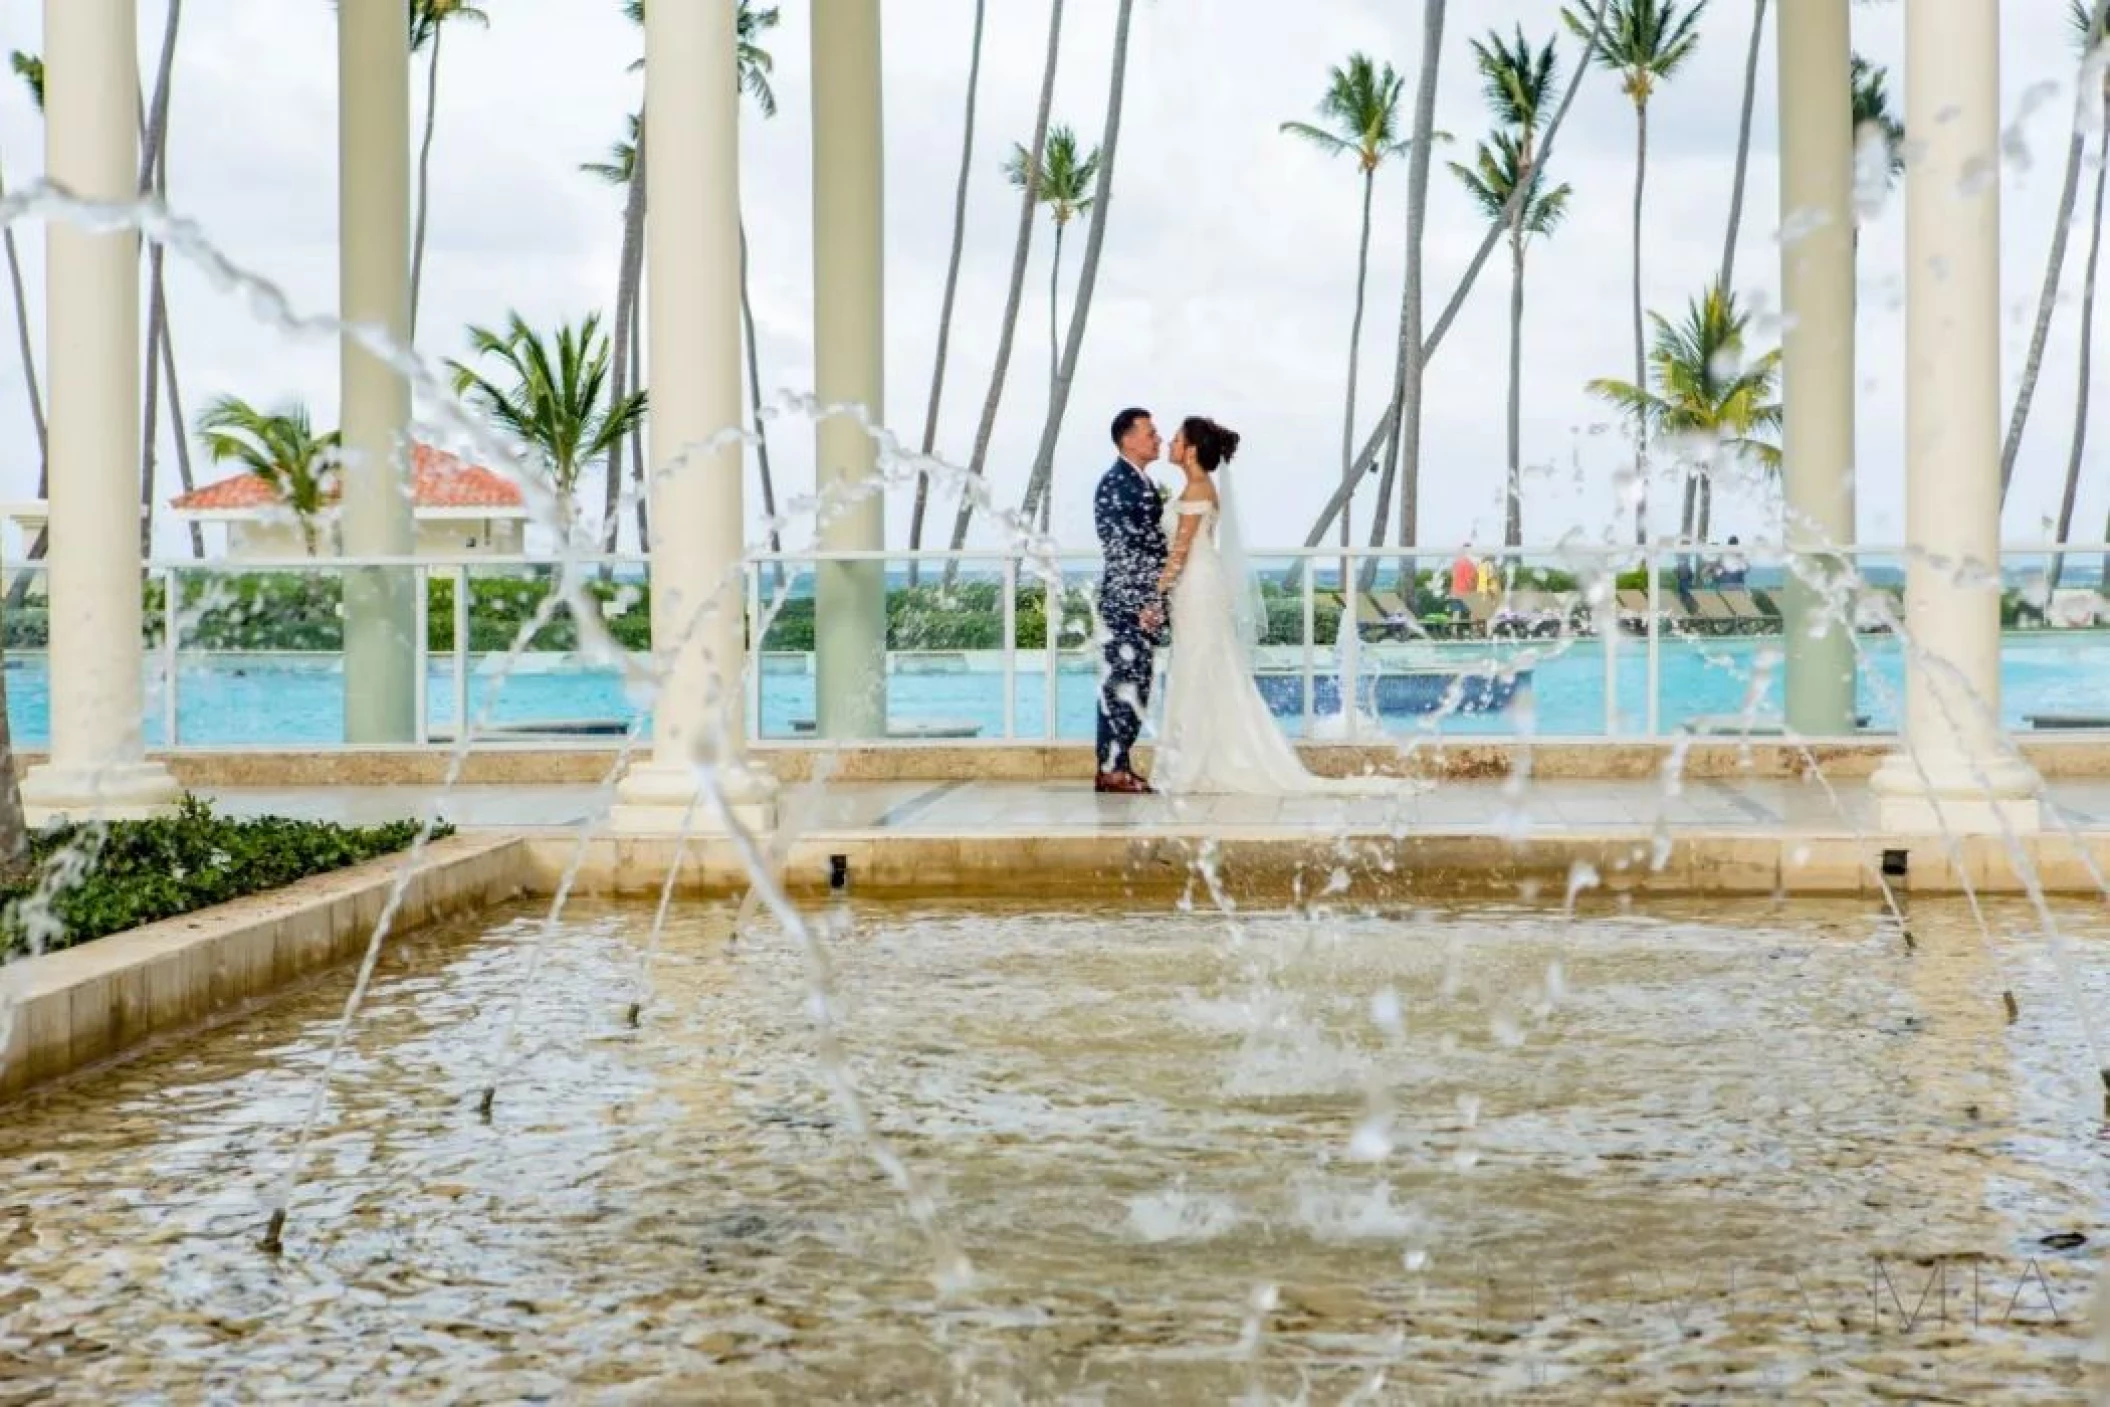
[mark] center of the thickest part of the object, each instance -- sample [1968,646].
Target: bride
[1219,736]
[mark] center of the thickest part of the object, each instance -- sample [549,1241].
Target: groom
[1128,511]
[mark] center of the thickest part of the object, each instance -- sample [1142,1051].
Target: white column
[373,253]
[1956,769]
[1817,354]
[692,252]
[849,334]
[98,763]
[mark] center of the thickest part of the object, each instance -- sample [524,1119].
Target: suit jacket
[1130,518]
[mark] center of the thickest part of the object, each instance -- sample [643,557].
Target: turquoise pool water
[289,700]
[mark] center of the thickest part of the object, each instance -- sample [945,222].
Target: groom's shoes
[1121,784]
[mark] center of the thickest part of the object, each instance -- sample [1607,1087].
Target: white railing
[1057,572]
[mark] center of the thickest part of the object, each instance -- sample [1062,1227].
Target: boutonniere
[1164,494]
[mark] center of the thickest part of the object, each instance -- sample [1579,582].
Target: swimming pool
[235,700]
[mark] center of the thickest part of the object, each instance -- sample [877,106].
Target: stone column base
[131,791]
[1954,796]
[658,798]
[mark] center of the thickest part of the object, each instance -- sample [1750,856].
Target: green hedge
[144,871]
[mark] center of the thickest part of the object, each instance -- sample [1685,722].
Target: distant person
[1465,579]
[1484,577]
[1733,566]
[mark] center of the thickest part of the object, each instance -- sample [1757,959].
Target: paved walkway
[982,809]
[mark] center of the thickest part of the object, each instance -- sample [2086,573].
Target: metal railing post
[1351,643]
[421,653]
[1010,672]
[461,654]
[755,633]
[1655,642]
[1309,611]
[171,640]
[1050,690]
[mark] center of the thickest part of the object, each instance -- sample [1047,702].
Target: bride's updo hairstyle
[1213,444]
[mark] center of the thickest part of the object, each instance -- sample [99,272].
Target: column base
[658,798]
[1956,796]
[132,791]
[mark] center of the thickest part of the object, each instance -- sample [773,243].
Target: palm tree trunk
[639,477]
[952,287]
[177,422]
[1036,491]
[1388,423]
[1094,243]
[153,171]
[1405,450]
[1029,202]
[417,235]
[26,345]
[2087,355]
[1640,343]
[1355,356]
[1704,514]
[629,271]
[1743,144]
[754,404]
[2047,299]
[1513,483]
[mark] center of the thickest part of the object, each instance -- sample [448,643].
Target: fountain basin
[1658,1155]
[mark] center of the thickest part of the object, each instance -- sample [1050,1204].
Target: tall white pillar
[98,763]
[373,253]
[1817,355]
[692,252]
[1956,768]
[849,333]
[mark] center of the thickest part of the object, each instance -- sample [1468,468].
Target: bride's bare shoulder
[1201,491]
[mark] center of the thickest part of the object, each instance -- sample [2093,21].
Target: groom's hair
[1126,421]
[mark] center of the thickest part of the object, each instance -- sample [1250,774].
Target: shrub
[140,872]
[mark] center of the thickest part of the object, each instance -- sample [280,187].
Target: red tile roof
[438,480]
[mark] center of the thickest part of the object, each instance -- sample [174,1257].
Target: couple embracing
[1174,562]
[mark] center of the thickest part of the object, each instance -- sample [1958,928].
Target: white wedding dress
[1218,737]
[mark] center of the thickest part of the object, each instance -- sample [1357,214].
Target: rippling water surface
[1720,1150]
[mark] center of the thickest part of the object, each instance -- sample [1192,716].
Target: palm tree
[2086,34]
[1517,79]
[626,168]
[1876,122]
[282,449]
[1702,389]
[1088,275]
[1501,169]
[1645,42]
[1361,113]
[1007,330]
[952,286]
[555,398]
[1063,184]
[427,19]
[2089,26]
[1388,435]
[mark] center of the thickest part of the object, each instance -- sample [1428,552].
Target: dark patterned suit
[1130,518]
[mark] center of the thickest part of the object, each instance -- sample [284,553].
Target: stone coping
[1275,868]
[2069,755]
[64,1012]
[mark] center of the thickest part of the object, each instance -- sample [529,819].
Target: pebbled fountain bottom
[1684,1150]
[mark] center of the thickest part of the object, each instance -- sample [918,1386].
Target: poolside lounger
[2068,722]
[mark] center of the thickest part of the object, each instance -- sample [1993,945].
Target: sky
[1228,277]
